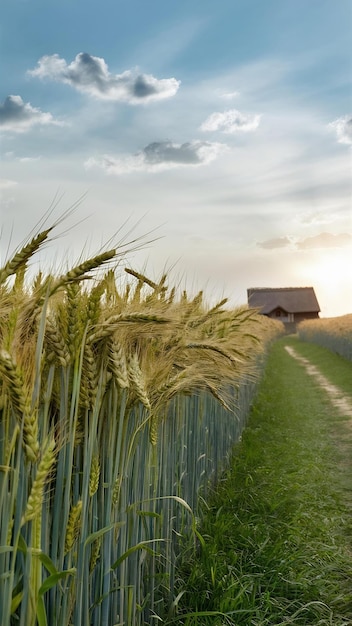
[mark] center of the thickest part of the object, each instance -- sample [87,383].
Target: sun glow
[330,274]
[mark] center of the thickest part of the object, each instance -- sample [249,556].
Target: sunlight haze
[223,130]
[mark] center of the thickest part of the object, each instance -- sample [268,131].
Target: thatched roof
[290,299]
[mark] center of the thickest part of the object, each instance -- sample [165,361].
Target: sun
[330,273]
[332,267]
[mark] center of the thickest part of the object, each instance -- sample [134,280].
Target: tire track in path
[336,395]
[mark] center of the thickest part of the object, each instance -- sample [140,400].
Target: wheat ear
[21,257]
[14,382]
[30,435]
[73,526]
[104,330]
[20,404]
[137,380]
[117,364]
[35,499]
[153,429]
[95,554]
[56,344]
[78,272]
[94,475]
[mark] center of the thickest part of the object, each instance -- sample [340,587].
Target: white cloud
[319,217]
[11,156]
[325,240]
[230,96]
[29,159]
[273,244]
[160,156]
[230,122]
[343,129]
[320,241]
[18,116]
[7,184]
[90,74]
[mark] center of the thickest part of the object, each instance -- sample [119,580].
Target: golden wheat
[20,259]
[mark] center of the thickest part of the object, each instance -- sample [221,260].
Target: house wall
[281,315]
[300,317]
[291,320]
[292,317]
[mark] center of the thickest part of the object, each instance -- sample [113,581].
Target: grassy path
[278,532]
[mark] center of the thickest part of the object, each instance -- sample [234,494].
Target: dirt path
[336,395]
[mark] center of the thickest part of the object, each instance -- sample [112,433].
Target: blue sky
[224,128]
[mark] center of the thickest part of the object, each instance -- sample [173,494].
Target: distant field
[334,333]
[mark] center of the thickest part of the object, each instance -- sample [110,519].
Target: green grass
[335,367]
[277,531]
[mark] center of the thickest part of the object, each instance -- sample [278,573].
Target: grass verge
[277,531]
[335,367]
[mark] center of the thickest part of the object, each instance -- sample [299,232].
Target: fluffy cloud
[325,240]
[91,75]
[17,116]
[343,129]
[230,122]
[160,156]
[272,244]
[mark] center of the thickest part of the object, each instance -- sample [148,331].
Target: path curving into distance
[336,395]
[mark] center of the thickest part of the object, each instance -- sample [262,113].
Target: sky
[219,133]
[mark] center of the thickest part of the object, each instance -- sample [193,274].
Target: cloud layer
[90,75]
[18,116]
[231,122]
[343,129]
[320,241]
[325,240]
[273,244]
[7,184]
[158,156]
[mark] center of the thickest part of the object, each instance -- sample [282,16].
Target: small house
[290,305]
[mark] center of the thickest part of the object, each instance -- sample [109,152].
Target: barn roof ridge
[278,288]
[291,299]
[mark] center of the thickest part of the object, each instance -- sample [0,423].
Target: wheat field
[121,398]
[334,333]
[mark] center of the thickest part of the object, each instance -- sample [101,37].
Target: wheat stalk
[74,320]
